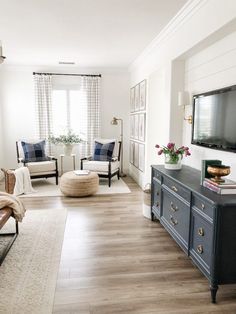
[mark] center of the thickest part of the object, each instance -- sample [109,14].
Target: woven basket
[10,180]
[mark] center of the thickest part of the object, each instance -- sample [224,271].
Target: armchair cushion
[103,152]
[101,166]
[34,152]
[41,167]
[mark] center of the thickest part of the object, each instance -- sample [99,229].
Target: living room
[108,257]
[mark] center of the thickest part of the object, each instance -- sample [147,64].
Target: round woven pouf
[79,185]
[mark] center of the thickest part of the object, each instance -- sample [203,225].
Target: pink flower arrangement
[173,152]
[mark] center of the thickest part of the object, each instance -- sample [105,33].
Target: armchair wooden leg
[118,174]
[56,179]
[109,181]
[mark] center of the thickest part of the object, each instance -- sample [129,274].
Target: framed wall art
[131,156]
[142,95]
[132,99]
[141,128]
[132,126]
[136,154]
[136,126]
[141,158]
[136,97]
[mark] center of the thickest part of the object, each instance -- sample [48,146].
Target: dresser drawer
[177,188]
[176,215]
[203,206]
[156,197]
[201,240]
[156,175]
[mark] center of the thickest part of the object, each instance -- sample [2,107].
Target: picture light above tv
[214,119]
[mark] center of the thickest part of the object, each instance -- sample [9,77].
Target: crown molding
[190,8]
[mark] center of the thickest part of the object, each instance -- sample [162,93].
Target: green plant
[69,139]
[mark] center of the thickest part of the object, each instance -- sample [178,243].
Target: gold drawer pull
[174,209]
[173,221]
[201,232]
[157,204]
[158,193]
[200,249]
[174,188]
[203,206]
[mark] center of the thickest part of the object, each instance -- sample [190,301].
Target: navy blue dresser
[202,222]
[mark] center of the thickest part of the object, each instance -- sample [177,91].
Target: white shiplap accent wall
[210,69]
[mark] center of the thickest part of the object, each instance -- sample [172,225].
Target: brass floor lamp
[115,121]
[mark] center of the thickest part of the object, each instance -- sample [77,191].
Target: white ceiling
[93,33]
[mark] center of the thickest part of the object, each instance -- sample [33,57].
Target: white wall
[1,135]
[212,68]
[18,107]
[193,29]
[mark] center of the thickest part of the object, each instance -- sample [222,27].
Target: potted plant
[173,155]
[69,140]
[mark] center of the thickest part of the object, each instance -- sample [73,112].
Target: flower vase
[68,149]
[173,162]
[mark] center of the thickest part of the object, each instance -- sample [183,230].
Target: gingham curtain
[90,86]
[43,100]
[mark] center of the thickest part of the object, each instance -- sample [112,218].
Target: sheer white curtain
[43,100]
[90,87]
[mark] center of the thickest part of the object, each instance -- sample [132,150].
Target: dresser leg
[214,289]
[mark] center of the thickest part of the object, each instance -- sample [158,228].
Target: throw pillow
[34,152]
[103,152]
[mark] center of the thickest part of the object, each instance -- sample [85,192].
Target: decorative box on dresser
[202,222]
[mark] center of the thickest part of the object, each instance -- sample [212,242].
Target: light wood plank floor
[116,261]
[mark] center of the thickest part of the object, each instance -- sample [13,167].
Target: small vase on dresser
[173,155]
[173,162]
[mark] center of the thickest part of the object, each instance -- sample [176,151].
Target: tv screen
[214,119]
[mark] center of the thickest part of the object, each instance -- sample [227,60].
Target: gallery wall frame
[136,154]
[136,97]
[131,156]
[136,126]
[142,95]
[141,159]
[132,126]
[142,127]
[132,99]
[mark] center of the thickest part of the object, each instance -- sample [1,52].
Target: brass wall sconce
[182,102]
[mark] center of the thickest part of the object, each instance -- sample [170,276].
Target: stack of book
[227,187]
[81,172]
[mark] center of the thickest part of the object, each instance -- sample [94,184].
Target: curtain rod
[73,74]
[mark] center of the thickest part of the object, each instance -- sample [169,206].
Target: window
[69,112]
[64,103]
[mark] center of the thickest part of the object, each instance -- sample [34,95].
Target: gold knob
[200,249]
[158,193]
[173,221]
[203,206]
[174,188]
[174,209]
[157,204]
[201,232]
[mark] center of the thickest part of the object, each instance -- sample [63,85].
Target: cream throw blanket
[9,200]
[23,183]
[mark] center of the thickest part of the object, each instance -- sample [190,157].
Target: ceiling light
[66,62]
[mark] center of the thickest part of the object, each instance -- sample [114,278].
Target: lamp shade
[114,121]
[182,98]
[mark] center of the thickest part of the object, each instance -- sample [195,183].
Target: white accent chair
[104,169]
[38,169]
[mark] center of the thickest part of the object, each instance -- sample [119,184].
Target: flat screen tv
[214,119]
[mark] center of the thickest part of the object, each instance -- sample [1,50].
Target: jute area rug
[28,274]
[47,187]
